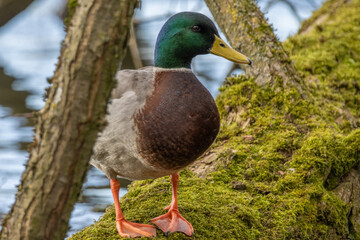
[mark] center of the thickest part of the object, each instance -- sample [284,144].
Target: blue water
[29,48]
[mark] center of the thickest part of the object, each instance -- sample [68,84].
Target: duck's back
[159,121]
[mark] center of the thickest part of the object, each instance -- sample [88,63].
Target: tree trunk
[285,164]
[68,124]
[246,28]
[10,8]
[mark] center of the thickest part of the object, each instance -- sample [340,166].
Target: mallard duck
[162,118]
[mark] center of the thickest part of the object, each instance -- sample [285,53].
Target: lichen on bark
[285,164]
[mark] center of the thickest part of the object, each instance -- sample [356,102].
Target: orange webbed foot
[172,221]
[131,230]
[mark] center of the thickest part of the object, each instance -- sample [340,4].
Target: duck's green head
[188,34]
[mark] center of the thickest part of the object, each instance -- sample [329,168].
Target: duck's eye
[196,28]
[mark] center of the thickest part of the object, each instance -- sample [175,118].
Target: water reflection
[29,48]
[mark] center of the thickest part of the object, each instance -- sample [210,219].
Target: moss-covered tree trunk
[68,124]
[285,164]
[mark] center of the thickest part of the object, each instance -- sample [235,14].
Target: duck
[161,118]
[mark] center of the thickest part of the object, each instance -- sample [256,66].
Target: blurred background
[29,48]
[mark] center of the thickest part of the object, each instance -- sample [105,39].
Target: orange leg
[124,227]
[172,221]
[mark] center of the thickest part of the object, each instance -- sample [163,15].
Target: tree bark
[10,8]
[247,30]
[68,124]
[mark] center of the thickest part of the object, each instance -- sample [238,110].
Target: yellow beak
[221,49]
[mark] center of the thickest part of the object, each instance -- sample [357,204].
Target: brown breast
[179,121]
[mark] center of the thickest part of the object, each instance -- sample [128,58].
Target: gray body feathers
[115,152]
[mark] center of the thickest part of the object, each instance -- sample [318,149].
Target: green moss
[333,76]
[146,199]
[71,6]
[281,154]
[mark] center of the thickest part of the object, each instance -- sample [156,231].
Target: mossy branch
[328,9]
[331,75]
